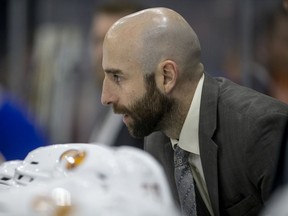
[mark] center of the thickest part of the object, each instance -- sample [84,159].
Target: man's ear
[169,72]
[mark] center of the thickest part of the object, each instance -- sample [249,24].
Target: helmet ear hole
[7,172]
[34,162]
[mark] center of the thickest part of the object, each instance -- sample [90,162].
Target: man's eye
[116,78]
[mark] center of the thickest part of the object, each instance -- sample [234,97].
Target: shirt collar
[189,136]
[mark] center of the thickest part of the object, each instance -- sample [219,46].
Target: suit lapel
[208,149]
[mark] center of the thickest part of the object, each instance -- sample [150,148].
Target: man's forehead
[117,62]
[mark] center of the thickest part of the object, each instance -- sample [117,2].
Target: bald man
[155,79]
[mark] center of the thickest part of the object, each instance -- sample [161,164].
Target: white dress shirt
[189,141]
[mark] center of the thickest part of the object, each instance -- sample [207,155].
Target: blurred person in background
[19,131]
[268,71]
[278,203]
[276,62]
[108,127]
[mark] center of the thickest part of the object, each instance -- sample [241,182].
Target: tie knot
[180,156]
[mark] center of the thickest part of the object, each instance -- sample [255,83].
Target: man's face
[145,113]
[130,86]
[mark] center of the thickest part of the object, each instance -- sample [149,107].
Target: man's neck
[176,119]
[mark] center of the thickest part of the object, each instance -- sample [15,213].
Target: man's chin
[138,133]
[132,132]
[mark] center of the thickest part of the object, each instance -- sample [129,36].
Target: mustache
[121,110]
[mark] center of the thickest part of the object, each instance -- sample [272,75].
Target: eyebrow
[113,71]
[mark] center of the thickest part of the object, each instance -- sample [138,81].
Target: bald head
[153,35]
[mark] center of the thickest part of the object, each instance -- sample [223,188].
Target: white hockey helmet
[40,164]
[142,173]
[77,193]
[119,168]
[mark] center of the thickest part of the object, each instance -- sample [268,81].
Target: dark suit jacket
[240,132]
[281,178]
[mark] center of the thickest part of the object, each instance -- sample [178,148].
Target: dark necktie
[184,182]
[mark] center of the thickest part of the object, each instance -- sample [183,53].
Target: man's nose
[107,96]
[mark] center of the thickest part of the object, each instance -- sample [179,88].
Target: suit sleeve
[264,150]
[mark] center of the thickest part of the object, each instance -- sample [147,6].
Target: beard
[148,112]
